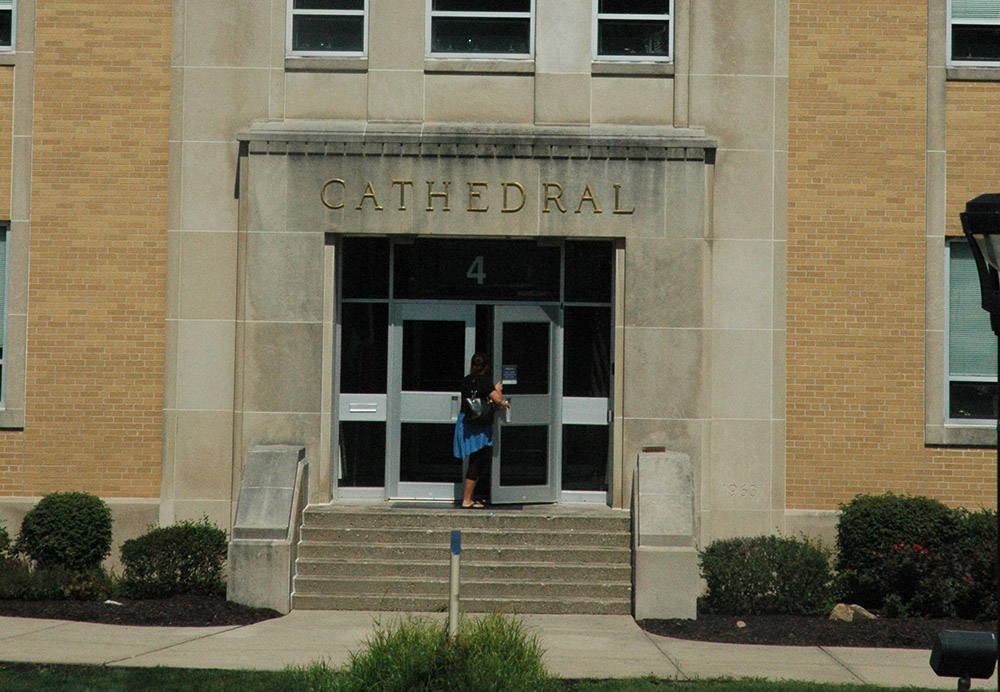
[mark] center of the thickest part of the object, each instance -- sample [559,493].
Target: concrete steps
[540,559]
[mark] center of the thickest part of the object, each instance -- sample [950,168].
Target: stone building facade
[723,228]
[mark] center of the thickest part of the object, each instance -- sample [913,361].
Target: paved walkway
[577,646]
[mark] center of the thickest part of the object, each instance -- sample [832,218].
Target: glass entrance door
[527,358]
[432,345]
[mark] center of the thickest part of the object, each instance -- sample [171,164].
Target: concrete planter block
[273,493]
[666,561]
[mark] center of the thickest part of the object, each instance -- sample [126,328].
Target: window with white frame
[634,30]
[6,24]
[974,33]
[972,348]
[481,28]
[328,27]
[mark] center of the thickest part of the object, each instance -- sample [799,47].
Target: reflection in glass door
[526,356]
[433,344]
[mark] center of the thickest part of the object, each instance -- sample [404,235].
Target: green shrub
[974,560]
[915,556]
[185,558]
[868,527]
[20,580]
[766,575]
[954,580]
[70,530]
[490,654]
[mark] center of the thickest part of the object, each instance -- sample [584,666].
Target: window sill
[11,419]
[956,434]
[625,68]
[310,63]
[7,57]
[973,74]
[477,66]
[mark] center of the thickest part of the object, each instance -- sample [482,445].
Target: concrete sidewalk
[577,646]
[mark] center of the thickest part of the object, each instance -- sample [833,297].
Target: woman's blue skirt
[471,438]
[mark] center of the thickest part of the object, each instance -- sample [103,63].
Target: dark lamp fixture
[981,224]
[964,655]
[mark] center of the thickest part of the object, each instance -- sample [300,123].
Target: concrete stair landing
[539,559]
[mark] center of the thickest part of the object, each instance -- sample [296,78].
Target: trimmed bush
[954,580]
[870,523]
[766,575]
[974,561]
[490,654]
[914,556]
[70,530]
[870,531]
[185,558]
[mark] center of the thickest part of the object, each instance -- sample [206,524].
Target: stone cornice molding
[345,138]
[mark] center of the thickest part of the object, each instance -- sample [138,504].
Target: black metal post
[982,218]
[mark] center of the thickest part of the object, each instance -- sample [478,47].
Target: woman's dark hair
[480,364]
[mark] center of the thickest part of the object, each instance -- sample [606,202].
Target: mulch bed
[788,630]
[178,611]
[798,630]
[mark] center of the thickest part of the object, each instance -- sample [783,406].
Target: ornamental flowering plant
[903,572]
[956,581]
[867,529]
[966,580]
[921,559]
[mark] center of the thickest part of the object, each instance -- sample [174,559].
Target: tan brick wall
[855,342]
[973,140]
[6,135]
[94,389]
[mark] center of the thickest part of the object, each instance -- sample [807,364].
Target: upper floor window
[974,32]
[634,30]
[972,352]
[482,28]
[323,27]
[6,24]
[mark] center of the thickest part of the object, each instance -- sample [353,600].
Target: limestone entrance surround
[302,185]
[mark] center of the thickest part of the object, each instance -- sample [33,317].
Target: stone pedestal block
[273,493]
[666,561]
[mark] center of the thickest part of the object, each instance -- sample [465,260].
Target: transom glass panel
[442,269]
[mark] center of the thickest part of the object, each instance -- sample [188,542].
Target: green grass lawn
[24,677]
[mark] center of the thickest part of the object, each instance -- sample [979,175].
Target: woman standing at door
[475,441]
